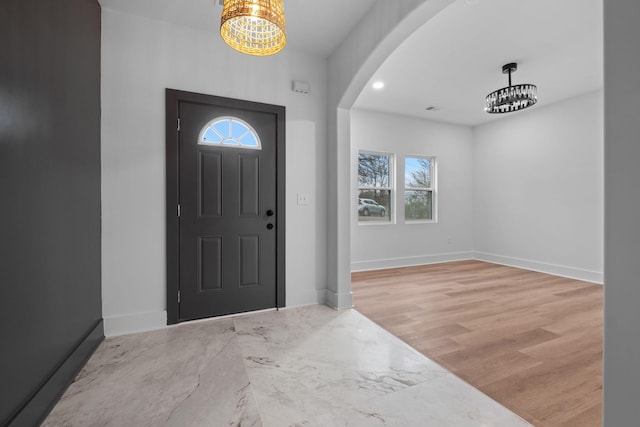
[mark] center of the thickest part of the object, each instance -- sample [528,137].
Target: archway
[380,32]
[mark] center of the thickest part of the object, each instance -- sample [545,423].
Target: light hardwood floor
[531,341]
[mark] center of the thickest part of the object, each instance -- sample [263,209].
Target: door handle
[269,212]
[269,226]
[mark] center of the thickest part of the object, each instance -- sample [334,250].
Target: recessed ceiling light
[378,85]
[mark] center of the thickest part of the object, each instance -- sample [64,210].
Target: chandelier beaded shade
[511,98]
[254,27]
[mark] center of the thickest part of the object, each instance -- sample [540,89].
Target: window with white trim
[230,132]
[419,188]
[375,184]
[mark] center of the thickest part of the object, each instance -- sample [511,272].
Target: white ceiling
[453,61]
[456,58]
[315,26]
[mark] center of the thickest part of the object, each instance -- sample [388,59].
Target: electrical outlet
[303,199]
[449,240]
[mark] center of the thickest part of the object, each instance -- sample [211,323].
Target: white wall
[142,57]
[526,190]
[539,187]
[382,245]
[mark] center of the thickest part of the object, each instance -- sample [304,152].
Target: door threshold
[226,316]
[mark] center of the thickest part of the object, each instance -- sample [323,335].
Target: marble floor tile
[442,402]
[301,368]
[179,376]
[309,366]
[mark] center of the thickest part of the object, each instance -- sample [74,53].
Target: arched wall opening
[351,66]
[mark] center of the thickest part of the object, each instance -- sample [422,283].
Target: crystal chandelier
[254,27]
[511,98]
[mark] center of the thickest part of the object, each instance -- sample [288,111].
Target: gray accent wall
[622,213]
[49,200]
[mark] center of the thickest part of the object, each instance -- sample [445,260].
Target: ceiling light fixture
[378,85]
[511,98]
[254,27]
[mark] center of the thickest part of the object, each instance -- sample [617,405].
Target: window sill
[420,221]
[375,223]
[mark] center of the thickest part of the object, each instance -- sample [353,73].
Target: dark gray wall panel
[50,191]
[622,204]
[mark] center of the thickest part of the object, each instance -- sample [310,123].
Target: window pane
[417,173]
[237,129]
[418,205]
[373,170]
[210,136]
[223,127]
[374,205]
[249,140]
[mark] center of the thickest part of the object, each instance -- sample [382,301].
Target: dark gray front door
[228,210]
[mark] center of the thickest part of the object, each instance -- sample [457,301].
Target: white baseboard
[140,322]
[380,264]
[557,270]
[306,297]
[339,301]
[130,323]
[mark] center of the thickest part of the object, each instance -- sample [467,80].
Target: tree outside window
[374,187]
[418,188]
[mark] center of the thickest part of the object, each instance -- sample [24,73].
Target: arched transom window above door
[229,132]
